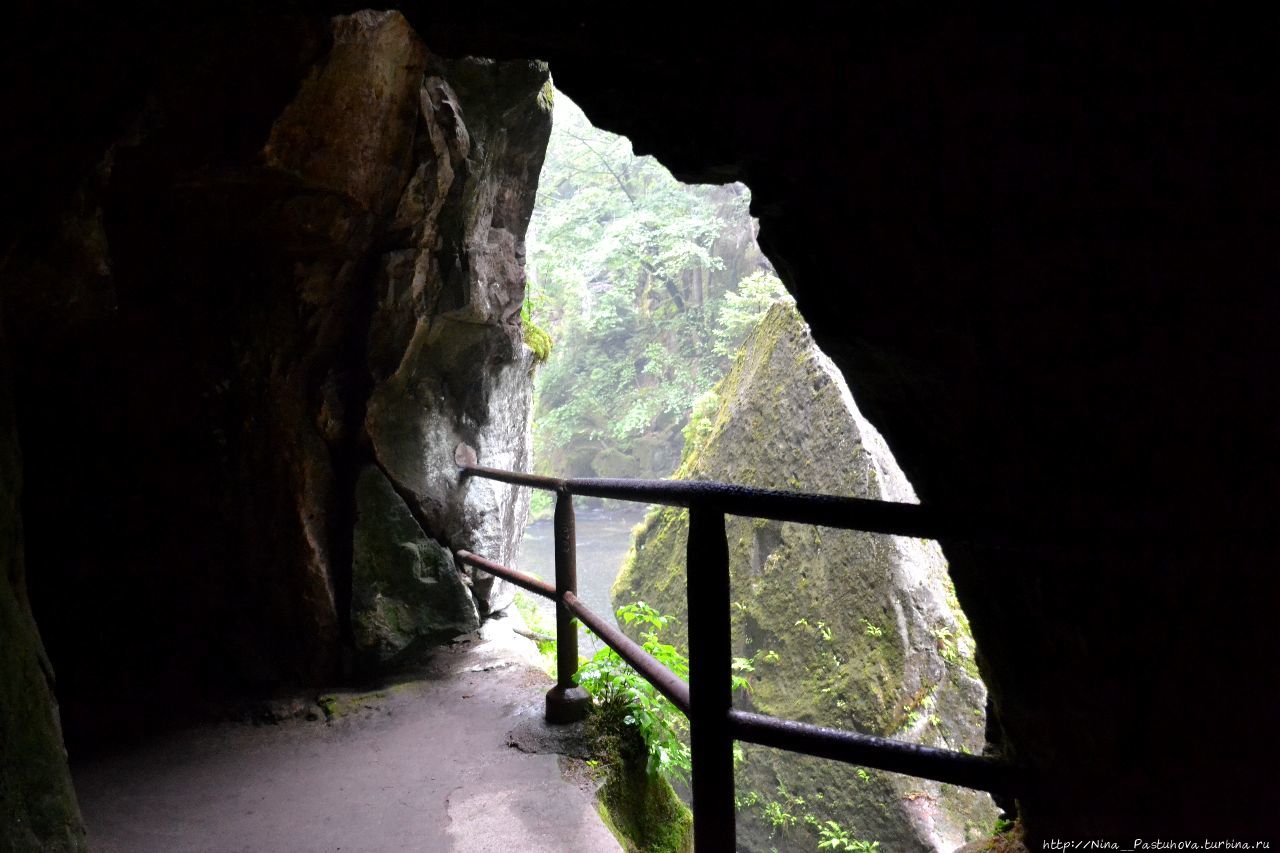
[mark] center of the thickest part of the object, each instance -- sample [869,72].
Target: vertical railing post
[710,682]
[566,702]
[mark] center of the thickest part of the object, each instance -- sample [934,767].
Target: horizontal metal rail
[664,680]
[714,724]
[533,583]
[895,519]
[942,765]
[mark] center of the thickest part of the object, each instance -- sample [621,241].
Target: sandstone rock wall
[845,629]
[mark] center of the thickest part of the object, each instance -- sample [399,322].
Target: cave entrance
[641,289]
[670,348]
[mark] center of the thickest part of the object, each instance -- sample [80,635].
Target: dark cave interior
[1040,249]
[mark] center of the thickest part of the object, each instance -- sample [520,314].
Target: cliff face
[844,628]
[38,808]
[297,268]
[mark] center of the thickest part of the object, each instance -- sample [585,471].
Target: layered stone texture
[845,629]
[446,350]
[287,289]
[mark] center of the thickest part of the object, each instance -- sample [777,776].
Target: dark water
[603,536]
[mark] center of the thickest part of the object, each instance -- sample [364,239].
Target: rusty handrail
[707,699]
[533,583]
[896,756]
[896,519]
[667,682]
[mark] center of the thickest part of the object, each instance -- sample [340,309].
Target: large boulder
[446,348]
[842,628]
[407,593]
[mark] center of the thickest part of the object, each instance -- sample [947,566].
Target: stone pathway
[457,761]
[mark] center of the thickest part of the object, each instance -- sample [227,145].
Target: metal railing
[707,697]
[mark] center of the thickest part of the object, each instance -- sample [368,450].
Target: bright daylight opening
[669,348]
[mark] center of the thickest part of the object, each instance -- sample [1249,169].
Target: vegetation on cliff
[647,287]
[641,741]
[832,627]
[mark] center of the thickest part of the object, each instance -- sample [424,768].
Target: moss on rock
[640,807]
[840,628]
[38,809]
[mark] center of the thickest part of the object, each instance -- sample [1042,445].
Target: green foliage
[832,836]
[777,816]
[542,504]
[642,810]
[701,422]
[947,647]
[623,698]
[744,307]
[788,813]
[535,337]
[647,285]
[535,622]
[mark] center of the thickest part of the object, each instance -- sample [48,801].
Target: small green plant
[833,836]
[534,621]
[872,630]
[947,645]
[623,696]
[789,811]
[535,337]
[777,816]
[820,626]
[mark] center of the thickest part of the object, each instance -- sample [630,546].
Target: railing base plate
[567,705]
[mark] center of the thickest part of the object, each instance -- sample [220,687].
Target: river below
[603,536]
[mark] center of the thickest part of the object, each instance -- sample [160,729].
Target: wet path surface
[456,761]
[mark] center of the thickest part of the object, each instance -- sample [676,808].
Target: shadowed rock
[846,629]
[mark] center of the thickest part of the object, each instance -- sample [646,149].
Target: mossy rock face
[38,809]
[846,629]
[640,807]
[644,813]
[406,591]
